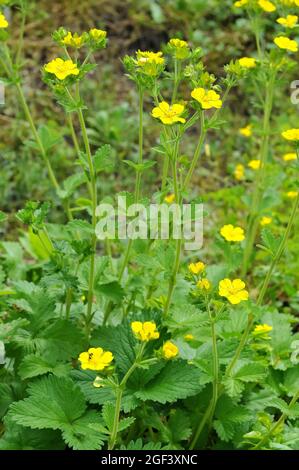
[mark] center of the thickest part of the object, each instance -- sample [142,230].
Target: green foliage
[49,407]
[176,381]
[63,291]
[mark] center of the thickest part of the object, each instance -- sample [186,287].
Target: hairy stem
[208,416]
[196,153]
[119,393]
[258,191]
[178,246]
[93,187]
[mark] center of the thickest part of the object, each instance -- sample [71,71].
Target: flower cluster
[196,268]
[179,48]
[146,331]
[150,63]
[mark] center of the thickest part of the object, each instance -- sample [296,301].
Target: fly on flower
[95,359]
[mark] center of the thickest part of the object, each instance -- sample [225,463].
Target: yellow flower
[254,164]
[291,134]
[267,6]
[241,3]
[3,21]
[73,40]
[286,43]
[289,156]
[262,331]
[234,290]
[181,48]
[169,114]
[149,62]
[239,172]
[95,359]
[292,194]
[289,22]
[204,284]
[97,34]
[232,234]
[62,68]
[170,350]
[169,199]
[207,99]
[178,43]
[246,131]
[247,62]
[196,268]
[265,220]
[145,331]
[188,337]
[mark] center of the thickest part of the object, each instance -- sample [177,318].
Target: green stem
[258,192]
[278,423]
[256,29]
[196,153]
[178,247]
[208,416]
[68,303]
[177,79]
[279,252]
[164,174]
[92,175]
[73,133]
[241,345]
[119,394]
